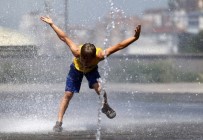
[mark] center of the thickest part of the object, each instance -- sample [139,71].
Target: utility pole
[66,18]
[47,6]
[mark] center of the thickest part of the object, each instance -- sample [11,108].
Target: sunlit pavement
[144,112]
[129,87]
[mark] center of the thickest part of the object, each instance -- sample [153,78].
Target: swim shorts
[74,78]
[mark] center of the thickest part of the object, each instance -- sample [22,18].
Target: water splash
[106,67]
[100,102]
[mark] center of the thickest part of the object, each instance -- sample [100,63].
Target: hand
[47,19]
[137,31]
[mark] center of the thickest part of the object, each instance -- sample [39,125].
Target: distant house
[191,22]
[180,19]
[158,17]
[15,44]
[158,34]
[157,37]
[195,22]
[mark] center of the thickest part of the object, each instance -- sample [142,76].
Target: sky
[80,11]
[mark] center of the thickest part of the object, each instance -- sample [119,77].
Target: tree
[190,43]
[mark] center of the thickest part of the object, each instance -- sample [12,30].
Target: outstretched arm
[123,44]
[75,49]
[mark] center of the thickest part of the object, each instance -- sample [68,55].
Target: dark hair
[88,49]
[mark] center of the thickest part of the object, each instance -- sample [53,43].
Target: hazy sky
[80,11]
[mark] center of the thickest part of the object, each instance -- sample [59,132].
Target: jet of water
[106,67]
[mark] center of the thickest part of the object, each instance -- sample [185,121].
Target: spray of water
[106,67]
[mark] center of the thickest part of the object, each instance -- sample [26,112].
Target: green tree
[191,43]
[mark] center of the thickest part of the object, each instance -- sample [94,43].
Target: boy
[85,63]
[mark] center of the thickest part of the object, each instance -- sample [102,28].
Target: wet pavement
[148,132]
[144,112]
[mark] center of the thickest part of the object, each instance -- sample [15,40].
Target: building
[158,36]
[180,19]
[158,17]
[188,17]
[195,22]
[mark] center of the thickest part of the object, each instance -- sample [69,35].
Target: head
[88,52]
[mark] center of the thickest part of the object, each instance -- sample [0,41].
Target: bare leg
[97,88]
[64,104]
[62,109]
[105,97]
[106,109]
